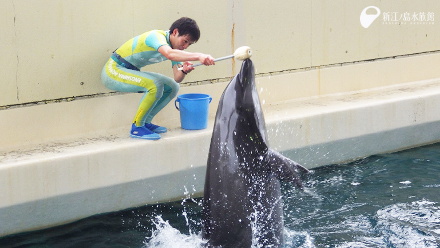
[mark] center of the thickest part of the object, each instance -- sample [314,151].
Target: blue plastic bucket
[193,110]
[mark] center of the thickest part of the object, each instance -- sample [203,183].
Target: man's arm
[182,56]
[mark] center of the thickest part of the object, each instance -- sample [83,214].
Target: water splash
[166,236]
[415,224]
[297,239]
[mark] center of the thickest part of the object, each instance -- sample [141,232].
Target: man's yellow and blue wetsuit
[121,73]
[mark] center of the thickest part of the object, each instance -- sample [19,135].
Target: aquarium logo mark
[371,13]
[409,18]
[368,19]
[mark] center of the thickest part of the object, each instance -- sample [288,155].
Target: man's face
[181,42]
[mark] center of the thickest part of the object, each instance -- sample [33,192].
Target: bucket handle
[175,104]
[178,100]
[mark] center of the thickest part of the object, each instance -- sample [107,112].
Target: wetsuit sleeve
[156,40]
[173,63]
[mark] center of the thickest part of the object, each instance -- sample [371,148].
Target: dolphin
[242,204]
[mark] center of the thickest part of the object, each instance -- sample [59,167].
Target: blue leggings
[158,89]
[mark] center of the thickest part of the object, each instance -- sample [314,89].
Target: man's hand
[206,59]
[187,67]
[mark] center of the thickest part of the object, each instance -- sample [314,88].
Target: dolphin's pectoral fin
[285,169]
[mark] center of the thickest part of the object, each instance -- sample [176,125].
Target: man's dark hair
[186,26]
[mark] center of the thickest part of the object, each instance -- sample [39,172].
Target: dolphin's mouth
[247,71]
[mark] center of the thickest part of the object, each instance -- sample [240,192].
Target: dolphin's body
[242,204]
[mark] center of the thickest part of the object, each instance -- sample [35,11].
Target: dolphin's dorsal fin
[284,168]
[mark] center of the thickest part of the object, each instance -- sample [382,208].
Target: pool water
[387,200]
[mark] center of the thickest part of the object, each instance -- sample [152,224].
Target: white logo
[368,19]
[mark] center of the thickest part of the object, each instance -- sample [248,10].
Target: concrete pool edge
[63,183]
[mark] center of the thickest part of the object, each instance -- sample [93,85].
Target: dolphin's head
[247,98]
[250,123]
[246,74]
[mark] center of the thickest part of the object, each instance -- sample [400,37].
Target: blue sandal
[155,128]
[143,133]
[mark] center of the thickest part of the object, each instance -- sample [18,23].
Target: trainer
[122,71]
